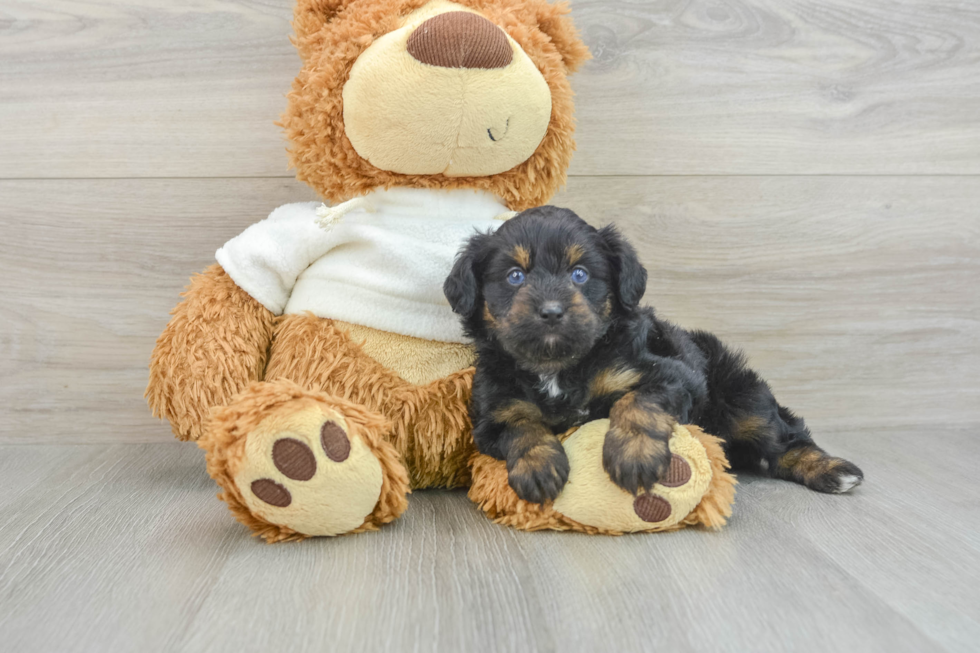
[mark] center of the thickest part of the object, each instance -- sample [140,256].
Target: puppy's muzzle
[552,313]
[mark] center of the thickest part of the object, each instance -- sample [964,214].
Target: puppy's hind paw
[819,471]
[843,478]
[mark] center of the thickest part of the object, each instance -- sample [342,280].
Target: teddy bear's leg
[294,463]
[697,489]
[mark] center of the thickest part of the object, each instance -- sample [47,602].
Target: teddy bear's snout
[460,39]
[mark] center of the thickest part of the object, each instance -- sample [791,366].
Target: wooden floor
[802,178]
[124,548]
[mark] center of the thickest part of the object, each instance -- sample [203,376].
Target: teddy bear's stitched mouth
[499,136]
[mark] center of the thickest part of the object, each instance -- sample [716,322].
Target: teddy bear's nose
[460,39]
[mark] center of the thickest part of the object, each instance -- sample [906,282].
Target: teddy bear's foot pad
[655,509]
[696,489]
[302,470]
[592,499]
[297,461]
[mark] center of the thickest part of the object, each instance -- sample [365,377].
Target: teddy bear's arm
[216,343]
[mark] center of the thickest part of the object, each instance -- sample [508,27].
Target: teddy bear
[317,362]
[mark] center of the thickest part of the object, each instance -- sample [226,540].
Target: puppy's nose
[460,39]
[552,312]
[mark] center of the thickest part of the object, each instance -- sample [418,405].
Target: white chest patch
[549,385]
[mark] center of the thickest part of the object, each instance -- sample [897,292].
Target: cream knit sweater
[379,261]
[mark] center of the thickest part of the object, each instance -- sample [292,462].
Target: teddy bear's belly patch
[416,360]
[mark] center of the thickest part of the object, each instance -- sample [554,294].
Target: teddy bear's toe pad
[591,498]
[271,492]
[651,508]
[303,470]
[294,459]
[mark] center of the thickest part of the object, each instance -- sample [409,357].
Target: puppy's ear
[629,277]
[462,286]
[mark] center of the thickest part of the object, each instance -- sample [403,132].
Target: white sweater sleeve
[265,259]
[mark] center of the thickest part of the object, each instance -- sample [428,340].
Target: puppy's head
[545,286]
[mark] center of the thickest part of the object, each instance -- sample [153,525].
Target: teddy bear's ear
[310,15]
[553,20]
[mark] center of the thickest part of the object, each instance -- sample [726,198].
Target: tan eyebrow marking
[574,253]
[522,256]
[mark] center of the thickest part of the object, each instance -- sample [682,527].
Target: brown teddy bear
[317,363]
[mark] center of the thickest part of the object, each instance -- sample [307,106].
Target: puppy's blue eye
[515,277]
[580,275]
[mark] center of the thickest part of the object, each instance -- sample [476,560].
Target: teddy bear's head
[433,94]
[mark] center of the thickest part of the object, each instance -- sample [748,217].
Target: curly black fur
[554,351]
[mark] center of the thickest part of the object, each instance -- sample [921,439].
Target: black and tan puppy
[552,305]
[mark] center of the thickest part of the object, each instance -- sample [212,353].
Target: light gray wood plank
[779,87]
[89,271]
[445,578]
[129,547]
[141,88]
[921,478]
[191,89]
[855,297]
[91,558]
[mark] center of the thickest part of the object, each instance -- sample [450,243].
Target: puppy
[552,305]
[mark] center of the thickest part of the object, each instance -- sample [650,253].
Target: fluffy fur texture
[429,424]
[216,343]
[552,304]
[330,35]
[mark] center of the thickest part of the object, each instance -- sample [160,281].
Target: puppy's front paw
[634,461]
[540,472]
